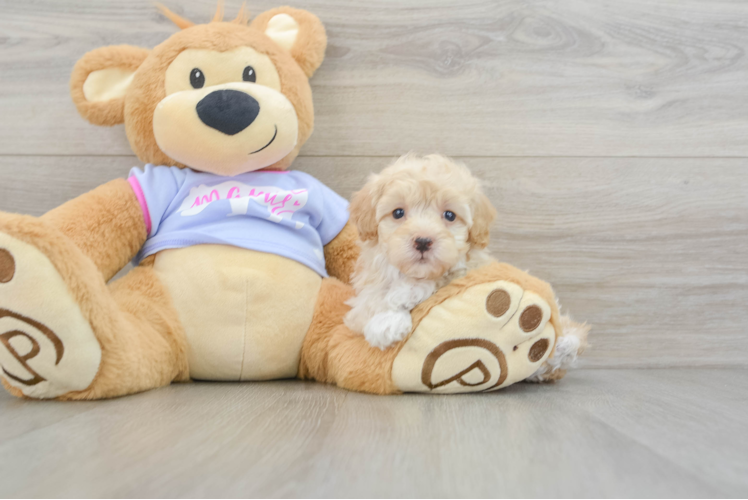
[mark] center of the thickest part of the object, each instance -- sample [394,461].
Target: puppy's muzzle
[228,111]
[423,245]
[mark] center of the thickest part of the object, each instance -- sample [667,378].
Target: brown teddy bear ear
[296,31]
[100,80]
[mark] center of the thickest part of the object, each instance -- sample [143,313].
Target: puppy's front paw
[384,329]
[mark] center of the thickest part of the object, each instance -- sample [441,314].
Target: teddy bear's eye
[450,216]
[197,78]
[249,74]
[398,213]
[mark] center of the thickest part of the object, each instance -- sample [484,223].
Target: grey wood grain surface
[486,78]
[598,433]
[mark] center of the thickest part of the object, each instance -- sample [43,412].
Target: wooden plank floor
[599,433]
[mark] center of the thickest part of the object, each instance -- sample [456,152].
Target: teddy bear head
[223,97]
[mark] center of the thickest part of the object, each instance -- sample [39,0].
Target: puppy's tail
[570,344]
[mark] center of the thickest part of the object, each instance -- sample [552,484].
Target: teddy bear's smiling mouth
[275,134]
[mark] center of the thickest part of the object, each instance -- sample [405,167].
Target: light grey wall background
[611,137]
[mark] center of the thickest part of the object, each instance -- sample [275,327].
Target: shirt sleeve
[334,214]
[155,188]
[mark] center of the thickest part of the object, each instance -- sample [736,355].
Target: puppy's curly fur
[423,221]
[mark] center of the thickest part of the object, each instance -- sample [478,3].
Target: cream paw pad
[47,348]
[487,337]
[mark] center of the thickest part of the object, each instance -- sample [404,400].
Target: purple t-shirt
[289,213]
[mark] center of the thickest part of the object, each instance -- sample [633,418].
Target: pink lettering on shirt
[281,204]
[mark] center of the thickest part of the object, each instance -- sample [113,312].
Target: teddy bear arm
[334,354]
[106,224]
[342,252]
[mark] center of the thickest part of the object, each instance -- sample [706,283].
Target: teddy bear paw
[487,337]
[47,348]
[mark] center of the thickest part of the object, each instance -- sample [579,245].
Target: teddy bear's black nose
[228,111]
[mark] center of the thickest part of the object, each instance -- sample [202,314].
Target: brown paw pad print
[538,350]
[23,359]
[7,266]
[430,362]
[498,302]
[530,318]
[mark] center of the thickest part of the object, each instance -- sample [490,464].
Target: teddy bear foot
[47,348]
[485,337]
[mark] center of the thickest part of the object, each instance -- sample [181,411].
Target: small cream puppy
[423,221]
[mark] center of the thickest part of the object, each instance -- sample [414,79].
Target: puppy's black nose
[423,244]
[228,111]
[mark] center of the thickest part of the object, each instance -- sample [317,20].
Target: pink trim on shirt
[143,204]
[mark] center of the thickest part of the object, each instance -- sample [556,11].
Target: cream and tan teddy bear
[242,264]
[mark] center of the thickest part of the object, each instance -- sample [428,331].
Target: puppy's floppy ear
[298,32]
[100,80]
[483,216]
[364,212]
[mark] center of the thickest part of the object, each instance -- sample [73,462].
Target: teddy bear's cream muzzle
[226,129]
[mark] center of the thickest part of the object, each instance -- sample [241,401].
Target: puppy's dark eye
[249,74]
[398,213]
[450,216]
[197,78]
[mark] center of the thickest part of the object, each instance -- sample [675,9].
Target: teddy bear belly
[245,313]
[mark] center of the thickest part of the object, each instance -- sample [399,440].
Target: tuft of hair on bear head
[242,18]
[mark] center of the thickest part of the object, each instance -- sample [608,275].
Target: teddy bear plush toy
[241,264]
